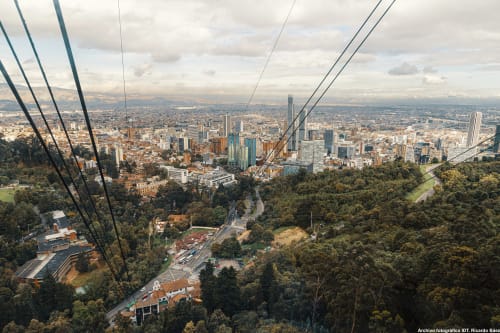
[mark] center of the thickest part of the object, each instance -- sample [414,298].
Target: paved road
[192,268]
[430,192]
[234,224]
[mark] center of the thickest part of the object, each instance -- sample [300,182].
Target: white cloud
[429,70]
[404,69]
[209,72]
[181,43]
[141,70]
[429,79]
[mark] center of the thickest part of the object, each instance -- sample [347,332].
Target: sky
[214,50]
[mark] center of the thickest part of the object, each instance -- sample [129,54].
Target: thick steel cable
[341,69]
[88,123]
[272,152]
[30,88]
[49,88]
[123,62]
[51,159]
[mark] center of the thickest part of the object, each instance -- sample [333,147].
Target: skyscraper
[238,127]
[227,125]
[303,135]
[183,144]
[243,157]
[329,141]
[474,128]
[251,144]
[233,144]
[496,143]
[292,135]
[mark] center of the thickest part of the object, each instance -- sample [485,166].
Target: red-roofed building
[163,296]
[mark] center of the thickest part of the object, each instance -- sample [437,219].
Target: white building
[474,128]
[178,175]
[217,177]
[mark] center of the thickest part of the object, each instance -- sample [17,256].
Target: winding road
[191,270]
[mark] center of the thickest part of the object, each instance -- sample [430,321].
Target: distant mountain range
[67,99]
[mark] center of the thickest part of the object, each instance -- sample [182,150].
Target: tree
[218,318]
[207,284]
[92,314]
[24,304]
[7,309]
[229,248]
[12,327]
[201,327]
[268,286]
[227,291]
[123,324]
[35,327]
[223,329]
[82,263]
[189,328]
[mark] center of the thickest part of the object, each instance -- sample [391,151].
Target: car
[143,289]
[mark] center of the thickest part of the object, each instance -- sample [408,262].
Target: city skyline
[214,52]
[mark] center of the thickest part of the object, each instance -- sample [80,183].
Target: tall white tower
[227,125]
[292,142]
[474,128]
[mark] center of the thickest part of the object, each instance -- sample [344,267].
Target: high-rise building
[118,152]
[251,144]
[291,134]
[233,144]
[238,127]
[312,152]
[496,143]
[243,157]
[474,128]
[227,125]
[329,141]
[183,144]
[345,149]
[192,132]
[302,126]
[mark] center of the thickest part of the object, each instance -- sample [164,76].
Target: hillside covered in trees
[381,263]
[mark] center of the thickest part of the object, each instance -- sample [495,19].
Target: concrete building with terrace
[58,249]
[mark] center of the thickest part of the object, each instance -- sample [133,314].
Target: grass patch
[7,194]
[254,246]
[166,264]
[422,188]
[281,229]
[193,230]
[288,235]
[83,278]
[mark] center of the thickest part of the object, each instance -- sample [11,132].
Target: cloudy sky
[215,49]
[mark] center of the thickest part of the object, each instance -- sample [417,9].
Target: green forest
[376,262]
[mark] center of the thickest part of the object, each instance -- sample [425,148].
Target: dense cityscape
[331,138]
